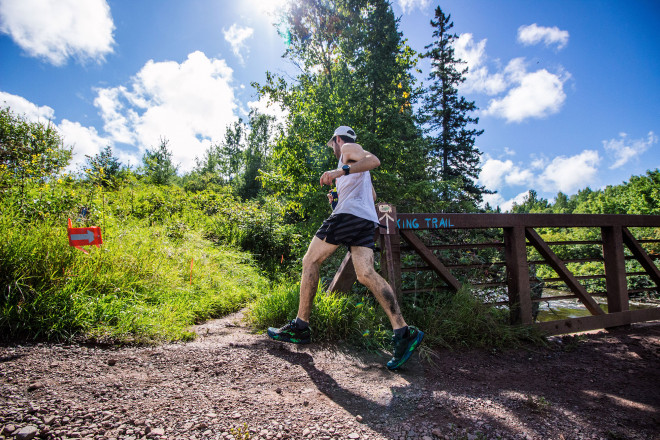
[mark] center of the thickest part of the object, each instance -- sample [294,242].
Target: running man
[352,223]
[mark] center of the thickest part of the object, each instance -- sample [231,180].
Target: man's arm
[355,156]
[359,159]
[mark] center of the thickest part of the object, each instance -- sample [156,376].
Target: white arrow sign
[387,216]
[89,236]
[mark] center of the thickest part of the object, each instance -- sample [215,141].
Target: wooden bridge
[514,234]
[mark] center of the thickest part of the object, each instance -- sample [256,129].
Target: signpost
[84,236]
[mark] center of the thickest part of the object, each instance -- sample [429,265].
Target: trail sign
[387,214]
[84,236]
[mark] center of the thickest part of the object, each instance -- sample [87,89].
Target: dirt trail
[605,386]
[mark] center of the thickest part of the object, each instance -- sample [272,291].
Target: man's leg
[298,331]
[406,339]
[363,261]
[317,252]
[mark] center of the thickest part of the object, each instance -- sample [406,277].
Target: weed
[453,321]
[241,432]
[571,342]
[537,404]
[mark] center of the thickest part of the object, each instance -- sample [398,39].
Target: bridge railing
[506,238]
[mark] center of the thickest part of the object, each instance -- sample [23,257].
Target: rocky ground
[231,383]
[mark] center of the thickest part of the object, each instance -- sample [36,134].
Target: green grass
[135,288]
[453,321]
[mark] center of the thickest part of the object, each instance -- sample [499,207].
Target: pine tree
[446,117]
[158,165]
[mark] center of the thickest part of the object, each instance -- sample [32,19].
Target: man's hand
[329,176]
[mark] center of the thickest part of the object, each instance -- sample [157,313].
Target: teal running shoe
[404,347]
[291,333]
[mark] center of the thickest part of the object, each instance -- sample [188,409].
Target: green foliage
[137,287]
[259,229]
[29,149]
[450,320]
[532,203]
[30,153]
[104,169]
[158,166]
[364,81]
[239,161]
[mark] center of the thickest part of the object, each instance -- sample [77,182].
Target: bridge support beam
[517,275]
[615,269]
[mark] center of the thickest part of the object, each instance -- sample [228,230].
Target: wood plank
[431,259]
[390,243]
[572,242]
[563,271]
[487,245]
[601,321]
[389,262]
[517,276]
[478,221]
[615,269]
[640,254]
[345,277]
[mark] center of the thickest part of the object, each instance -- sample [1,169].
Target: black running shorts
[348,230]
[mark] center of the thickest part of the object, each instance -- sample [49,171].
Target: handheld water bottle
[335,198]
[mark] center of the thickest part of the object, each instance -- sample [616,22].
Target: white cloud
[624,150]
[266,107]
[528,94]
[22,107]
[538,163]
[85,141]
[56,30]
[409,5]
[568,174]
[519,177]
[116,124]
[465,49]
[478,78]
[190,104]
[236,36]
[495,173]
[535,95]
[534,34]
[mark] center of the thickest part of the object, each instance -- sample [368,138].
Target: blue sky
[568,91]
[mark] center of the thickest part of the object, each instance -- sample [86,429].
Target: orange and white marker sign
[84,236]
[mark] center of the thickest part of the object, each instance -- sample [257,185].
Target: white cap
[344,130]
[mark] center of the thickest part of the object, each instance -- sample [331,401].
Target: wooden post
[345,276]
[390,243]
[517,275]
[615,269]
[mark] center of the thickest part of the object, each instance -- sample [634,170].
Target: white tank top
[355,193]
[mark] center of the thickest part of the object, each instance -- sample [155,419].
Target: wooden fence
[517,232]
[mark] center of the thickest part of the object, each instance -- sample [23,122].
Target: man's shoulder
[351,147]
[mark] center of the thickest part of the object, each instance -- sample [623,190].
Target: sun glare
[267,7]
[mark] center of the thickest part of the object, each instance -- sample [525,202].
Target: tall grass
[459,320]
[135,288]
